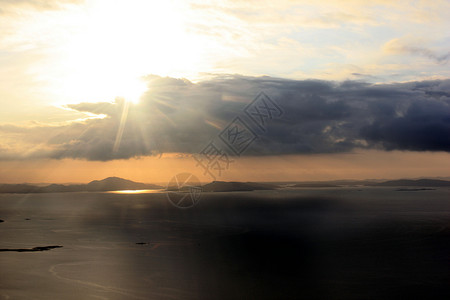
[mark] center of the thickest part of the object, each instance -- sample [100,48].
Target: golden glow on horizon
[361,164]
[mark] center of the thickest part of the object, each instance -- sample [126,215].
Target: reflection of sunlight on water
[136,191]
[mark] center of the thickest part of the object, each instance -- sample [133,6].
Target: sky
[144,89]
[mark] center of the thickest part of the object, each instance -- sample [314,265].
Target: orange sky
[357,165]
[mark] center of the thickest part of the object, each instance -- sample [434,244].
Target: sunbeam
[123,121]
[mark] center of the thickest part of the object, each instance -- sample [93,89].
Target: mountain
[223,186]
[116,183]
[107,184]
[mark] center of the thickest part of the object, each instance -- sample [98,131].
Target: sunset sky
[91,89]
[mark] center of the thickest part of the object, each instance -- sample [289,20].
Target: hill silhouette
[117,184]
[114,183]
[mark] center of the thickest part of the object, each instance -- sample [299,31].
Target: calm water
[372,243]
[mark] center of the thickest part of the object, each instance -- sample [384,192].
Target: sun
[114,43]
[131,90]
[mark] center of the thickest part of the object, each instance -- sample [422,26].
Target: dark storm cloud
[176,115]
[425,126]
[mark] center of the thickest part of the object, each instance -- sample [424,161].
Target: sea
[303,243]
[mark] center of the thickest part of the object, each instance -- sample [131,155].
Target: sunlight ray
[123,120]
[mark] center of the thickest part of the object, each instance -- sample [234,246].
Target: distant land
[418,182]
[315,184]
[117,184]
[386,183]
[107,184]
[233,186]
[414,189]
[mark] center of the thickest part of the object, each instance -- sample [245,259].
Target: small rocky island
[35,249]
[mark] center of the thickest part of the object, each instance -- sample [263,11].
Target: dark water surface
[371,243]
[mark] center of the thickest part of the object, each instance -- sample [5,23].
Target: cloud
[399,46]
[428,53]
[8,5]
[424,126]
[176,115]
[299,14]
